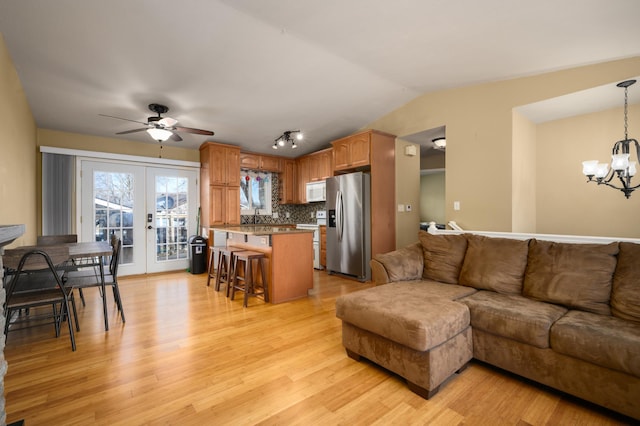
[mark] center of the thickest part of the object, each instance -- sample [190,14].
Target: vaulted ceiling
[251,69]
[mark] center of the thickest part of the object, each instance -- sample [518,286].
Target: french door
[152,209]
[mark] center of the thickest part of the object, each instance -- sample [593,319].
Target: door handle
[149,227]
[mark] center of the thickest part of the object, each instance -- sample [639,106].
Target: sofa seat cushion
[512,316]
[600,339]
[406,313]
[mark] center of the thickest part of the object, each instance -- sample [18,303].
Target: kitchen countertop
[261,229]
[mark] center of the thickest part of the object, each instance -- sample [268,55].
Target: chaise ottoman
[405,329]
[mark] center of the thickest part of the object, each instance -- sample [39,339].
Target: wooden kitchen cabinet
[352,151]
[320,165]
[288,189]
[219,184]
[222,163]
[224,205]
[265,163]
[302,177]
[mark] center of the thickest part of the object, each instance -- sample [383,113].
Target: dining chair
[81,279]
[34,282]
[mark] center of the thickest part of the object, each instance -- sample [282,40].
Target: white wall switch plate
[400,207]
[456,205]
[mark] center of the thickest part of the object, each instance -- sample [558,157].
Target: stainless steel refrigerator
[349,225]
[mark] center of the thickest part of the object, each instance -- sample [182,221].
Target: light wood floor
[187,355]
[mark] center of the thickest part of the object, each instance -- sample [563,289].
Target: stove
[321,217]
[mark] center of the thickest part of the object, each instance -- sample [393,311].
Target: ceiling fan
[161,128]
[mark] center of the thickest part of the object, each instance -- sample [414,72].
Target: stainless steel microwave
[316,191]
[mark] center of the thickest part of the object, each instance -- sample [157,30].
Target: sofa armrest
[403,264]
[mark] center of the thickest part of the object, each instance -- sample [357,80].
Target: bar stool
[213,251]
[249,284]
[225,273]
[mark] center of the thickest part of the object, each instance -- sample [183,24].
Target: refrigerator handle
[339,217]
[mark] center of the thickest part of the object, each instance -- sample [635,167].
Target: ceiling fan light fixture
[160,135]
[440,142]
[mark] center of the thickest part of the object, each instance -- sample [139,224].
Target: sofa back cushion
[625,295]
[577,276]
[496,264]
[443,256]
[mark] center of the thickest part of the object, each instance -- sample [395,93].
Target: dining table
[91,254]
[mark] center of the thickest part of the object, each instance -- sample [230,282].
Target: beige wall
[571,206]
[523,191]
[407,193]
[116,146]
[432,189]
[479,160]
[434,161]
[18,158]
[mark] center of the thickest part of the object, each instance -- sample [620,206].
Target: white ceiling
[251,69]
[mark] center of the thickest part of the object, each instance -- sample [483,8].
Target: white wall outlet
[456,205]
[400,207]
[408,207]
[287,215]
[275,215]
[313,214]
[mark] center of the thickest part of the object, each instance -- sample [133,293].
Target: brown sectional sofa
[563,314]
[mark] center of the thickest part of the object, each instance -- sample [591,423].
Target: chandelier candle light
[286,137]
[621,167]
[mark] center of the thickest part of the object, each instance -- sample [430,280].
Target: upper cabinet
[288,189]
[320,165]
[222,162]
[352,151]
[302,177]
[265,163]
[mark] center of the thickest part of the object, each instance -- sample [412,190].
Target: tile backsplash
[298,213]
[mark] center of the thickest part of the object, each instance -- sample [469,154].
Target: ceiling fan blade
[176,137]
[131,131]
[120,118]
[196,131]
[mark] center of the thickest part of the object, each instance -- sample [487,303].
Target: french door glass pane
[172,221]
[113,212]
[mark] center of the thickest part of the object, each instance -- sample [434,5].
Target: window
[255,192]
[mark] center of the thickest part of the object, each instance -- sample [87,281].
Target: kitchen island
[288,252]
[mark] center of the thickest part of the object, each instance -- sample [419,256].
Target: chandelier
[285,138]
[621,167]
